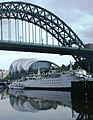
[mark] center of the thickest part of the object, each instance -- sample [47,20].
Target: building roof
[24,64]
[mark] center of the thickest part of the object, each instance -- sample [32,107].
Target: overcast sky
[78,14]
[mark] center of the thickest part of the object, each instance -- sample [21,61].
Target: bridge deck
[26,47]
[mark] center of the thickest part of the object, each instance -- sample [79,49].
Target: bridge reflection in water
[37,100]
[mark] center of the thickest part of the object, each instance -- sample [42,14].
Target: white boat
[49,81]
[52,81]
[82,74]
[16,85]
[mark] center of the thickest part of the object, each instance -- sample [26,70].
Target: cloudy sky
[78,14]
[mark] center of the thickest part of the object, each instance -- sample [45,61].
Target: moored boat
[16,85]
[82,74]
[53,80]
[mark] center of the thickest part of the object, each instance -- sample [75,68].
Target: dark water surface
[45,105]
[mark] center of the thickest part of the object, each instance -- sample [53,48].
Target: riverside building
[24,67]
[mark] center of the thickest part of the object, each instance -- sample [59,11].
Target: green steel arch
[46,20]
[42,18]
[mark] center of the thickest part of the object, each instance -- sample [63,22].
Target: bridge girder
[13,46]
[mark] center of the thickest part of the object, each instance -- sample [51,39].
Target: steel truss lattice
[42,18]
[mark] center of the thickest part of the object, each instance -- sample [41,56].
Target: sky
[77,14]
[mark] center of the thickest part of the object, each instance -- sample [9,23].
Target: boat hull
[16,88]
[49,88]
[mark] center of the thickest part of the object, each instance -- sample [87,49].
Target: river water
[45,105]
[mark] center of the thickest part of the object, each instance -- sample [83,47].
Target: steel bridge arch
[42,18]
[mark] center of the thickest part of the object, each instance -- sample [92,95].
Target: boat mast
[38,72]
[70,69]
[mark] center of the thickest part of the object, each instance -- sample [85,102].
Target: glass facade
[41,65]
[23,67]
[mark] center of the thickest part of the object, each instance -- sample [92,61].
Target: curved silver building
[23,67]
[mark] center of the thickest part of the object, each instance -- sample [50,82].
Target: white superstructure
[53,80]
[16,85]
[81,73]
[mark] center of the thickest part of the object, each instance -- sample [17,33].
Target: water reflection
[35,100]
[4,94]
[81,103]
